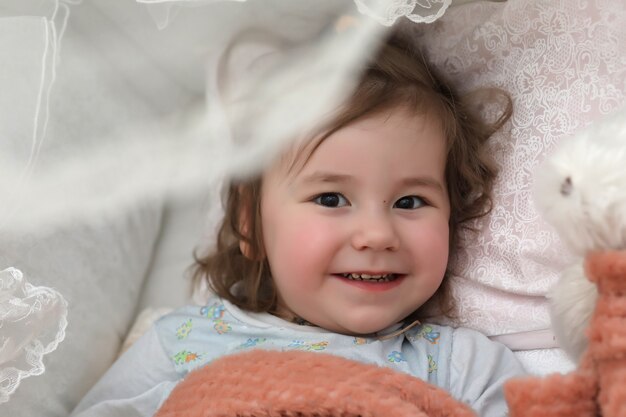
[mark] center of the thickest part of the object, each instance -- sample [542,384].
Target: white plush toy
[581,192]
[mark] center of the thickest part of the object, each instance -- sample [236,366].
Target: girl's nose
[375,232]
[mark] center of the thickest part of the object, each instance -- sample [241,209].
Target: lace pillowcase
[563,64]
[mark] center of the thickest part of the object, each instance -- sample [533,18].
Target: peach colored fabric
[273,383]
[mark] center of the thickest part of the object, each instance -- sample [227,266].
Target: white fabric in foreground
[33,321]
[303,68]
[385,12]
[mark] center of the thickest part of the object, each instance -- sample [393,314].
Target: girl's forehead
[388,122]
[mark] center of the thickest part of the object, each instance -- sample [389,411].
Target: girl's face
[358,238]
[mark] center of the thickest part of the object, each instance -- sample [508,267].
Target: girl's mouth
[370,278]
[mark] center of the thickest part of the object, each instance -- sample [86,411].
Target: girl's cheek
[314,232]
[309,233]
[433,238]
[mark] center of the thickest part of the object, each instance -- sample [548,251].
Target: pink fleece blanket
[305,384]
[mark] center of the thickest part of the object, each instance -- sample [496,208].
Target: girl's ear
[245,249]
[245,223]
[244,246]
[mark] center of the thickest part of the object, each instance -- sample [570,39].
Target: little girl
[337,246]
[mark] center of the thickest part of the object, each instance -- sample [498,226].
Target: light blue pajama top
[461,361]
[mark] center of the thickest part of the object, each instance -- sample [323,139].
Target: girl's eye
[331,200]
[409,202]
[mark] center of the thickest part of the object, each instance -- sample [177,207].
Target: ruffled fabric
[385,12]
[33,321]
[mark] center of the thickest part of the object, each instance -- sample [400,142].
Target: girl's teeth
[367,277]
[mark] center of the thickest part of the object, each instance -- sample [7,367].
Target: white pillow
[99,267]
[189,224]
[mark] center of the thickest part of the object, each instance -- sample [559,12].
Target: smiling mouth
[370,278]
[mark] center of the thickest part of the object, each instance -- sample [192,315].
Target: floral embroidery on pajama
[432,365]
[184,356]
[215,311]
[183,331]
[360,341]
[301,345]
[221,327]
[428,333]
[396,357]
[252,342]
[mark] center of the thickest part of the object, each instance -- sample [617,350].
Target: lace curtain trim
[385,12]
[33,321]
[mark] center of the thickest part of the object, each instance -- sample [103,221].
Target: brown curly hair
[398,75]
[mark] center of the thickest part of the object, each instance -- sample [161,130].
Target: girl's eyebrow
[331,177]
[425,181]
[323,176]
